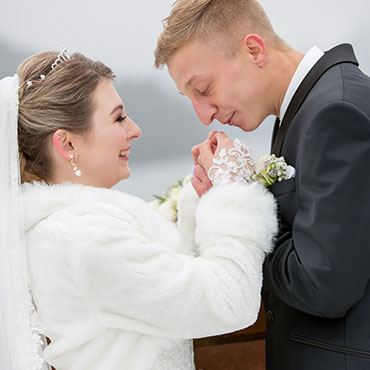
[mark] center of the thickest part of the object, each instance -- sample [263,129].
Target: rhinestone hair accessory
[30,83]
[63,56]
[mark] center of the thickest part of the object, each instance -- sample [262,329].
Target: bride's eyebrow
[117,108]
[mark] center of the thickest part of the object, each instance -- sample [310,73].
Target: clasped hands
[203,155]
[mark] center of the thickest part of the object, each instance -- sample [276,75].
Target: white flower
[261,163]
[154,204]
[290,172]
[187,179]
[167,204]
[168,210]
[175,193]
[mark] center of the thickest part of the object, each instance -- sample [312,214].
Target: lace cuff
[234,165]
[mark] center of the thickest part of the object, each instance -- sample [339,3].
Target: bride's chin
[126,174]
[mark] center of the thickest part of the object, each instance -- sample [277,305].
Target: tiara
[62,57]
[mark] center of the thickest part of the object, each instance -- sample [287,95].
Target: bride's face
[103,155]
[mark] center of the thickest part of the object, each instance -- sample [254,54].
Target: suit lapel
[339,54]
[275,132]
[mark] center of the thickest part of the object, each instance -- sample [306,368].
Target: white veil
[21,339]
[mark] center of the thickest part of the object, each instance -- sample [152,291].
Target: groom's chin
[242,126]
[248,126]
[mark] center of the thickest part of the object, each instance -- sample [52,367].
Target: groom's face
[222,88]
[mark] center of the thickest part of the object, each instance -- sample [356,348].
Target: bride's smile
[103,151]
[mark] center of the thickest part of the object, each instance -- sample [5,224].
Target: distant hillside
[169,126]
[10,59]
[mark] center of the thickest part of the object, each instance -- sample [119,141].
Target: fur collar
[41,200]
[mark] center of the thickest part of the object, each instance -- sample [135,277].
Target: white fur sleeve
[135,283]
[186,207]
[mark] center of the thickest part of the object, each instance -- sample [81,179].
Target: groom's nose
[205,111]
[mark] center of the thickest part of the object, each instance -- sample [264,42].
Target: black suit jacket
[317,282]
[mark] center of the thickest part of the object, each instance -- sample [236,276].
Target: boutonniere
[167,204]
[271,169]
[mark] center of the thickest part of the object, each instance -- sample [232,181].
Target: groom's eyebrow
[117,108]
[190,82]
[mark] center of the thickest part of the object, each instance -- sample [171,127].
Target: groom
[226,57]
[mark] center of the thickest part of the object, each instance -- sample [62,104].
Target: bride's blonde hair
[59,98]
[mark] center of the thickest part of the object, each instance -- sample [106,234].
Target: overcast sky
[123,33]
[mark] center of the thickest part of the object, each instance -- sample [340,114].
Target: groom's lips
[229,121]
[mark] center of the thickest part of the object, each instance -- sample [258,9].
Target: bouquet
[167,204]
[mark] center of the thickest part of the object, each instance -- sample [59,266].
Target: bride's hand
[200,181]
[195,149]
[203,155]
[225,161]
[210,149]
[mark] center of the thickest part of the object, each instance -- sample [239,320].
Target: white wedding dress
[119,287]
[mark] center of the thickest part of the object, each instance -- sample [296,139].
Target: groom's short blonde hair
[220,23]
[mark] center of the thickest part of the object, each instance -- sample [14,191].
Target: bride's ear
[63,144]
[256,48]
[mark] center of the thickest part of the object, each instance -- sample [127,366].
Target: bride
[103,276]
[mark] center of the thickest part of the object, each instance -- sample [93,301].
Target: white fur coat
[119,287]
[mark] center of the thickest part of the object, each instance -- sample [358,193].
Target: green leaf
[161,199]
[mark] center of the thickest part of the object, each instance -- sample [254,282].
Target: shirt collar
[306,64]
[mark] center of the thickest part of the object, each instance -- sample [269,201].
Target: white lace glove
[233,165]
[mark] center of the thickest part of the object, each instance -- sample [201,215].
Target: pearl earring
[75,170]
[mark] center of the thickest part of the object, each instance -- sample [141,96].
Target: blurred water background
[123,35]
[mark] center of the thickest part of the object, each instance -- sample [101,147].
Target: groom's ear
[256,48]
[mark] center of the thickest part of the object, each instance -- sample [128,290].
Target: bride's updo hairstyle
[52,99]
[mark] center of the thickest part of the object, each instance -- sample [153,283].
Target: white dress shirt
[306,64]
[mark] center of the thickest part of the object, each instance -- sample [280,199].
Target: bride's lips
[124,153]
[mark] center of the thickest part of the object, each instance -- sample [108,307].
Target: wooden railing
[241,350]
